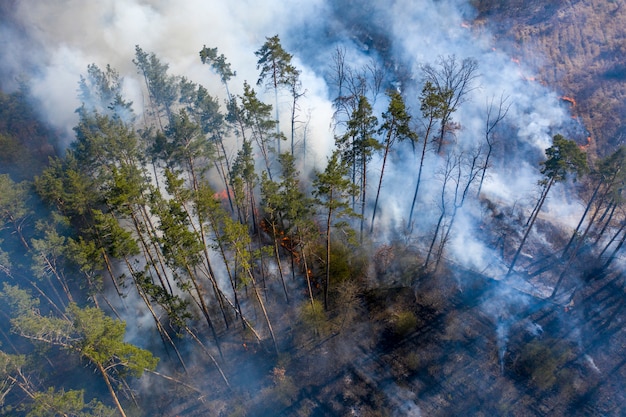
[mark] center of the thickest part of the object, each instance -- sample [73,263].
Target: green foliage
[404,322]
[396,120]
[412,361]
[101,92]
[47,251]
[237,239]
[434,102]
[543,361]
[20,302]
[313,317]
[284,200]
[611,172]
[103,141]
[274,63]
[162,87]
[186,141]
[25,142]
[87,331]
[84,254]
[358,144]
[257,117]
[63,186]
[117,241]
[340,267]
[13,201]
[217,62]
[284,391]
[9,365]
[68,404]
[332,188]
[563,157]
[101,340]
[205,111]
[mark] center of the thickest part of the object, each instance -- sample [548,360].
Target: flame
[222,195]
[465,25]
[586,146]
[570,100]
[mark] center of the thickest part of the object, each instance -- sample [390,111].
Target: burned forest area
[312,208]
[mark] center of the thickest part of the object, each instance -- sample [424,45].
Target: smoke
[59,41]
[50,44]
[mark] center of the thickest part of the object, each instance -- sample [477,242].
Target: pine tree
[564,158]
[332,191]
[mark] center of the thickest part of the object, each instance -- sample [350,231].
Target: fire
[465,25]
[570,100]
[222,195]
[586,146]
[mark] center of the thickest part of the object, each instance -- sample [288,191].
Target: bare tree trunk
[208,353]
[278,262]
[490,125]
[110,387]
[328,220]
[614,253]
[582,219]
[380,184]
[530,225]
[611,211]
[364,184]
[419,175]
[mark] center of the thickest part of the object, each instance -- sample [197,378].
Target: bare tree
[452,162]
[494,117]
[452,79]
[467,170]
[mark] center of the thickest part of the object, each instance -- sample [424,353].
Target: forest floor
[453,343]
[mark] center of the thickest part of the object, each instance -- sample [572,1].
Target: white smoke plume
[50,44]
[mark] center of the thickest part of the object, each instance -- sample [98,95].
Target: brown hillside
[576,46]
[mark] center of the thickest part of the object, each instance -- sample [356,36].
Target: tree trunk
[432,243]
[380,183]
[364,184]
[328,220]
[208,353]
[278,262]
[582,218]
[614,253]
[611,210]
[530,226]
[419,177]
[110,387]
[484,168]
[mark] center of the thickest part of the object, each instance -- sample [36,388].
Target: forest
[198,258]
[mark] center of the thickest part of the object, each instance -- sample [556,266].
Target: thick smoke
[52,43]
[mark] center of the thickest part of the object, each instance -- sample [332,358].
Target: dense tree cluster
[197,214]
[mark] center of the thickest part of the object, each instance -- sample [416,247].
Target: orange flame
[222,195]
[586,146]
[570,100]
